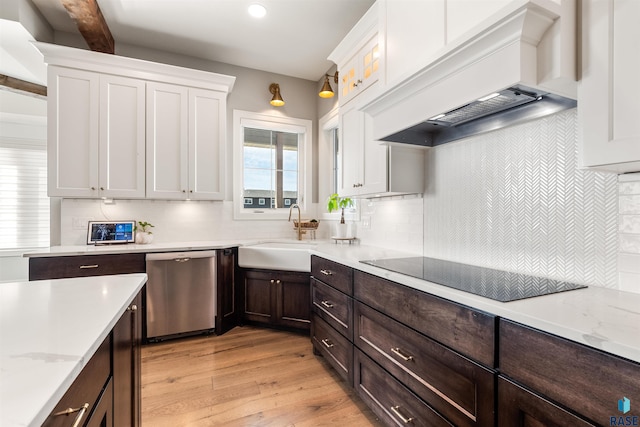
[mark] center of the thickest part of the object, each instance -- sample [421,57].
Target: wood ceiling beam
[22,87]
[91,23]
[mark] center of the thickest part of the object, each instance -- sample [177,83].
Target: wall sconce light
[277,100]
[326,91]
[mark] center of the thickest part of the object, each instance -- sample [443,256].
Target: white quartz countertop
[604,319]
[49,330]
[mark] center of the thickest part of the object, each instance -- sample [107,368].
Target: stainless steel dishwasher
[181,294]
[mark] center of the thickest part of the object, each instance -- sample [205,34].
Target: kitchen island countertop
[49,330]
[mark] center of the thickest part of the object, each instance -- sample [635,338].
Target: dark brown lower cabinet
[458,388]
[126,359]
[60,267]
[277,298]
[335,347]
[102,415]
[90,393]
[391,401]
[227,313]
[519,407]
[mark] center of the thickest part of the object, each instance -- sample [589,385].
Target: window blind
[24,205]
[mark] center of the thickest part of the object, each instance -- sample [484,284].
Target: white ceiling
[294,38]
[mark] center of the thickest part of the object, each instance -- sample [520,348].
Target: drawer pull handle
[327,342]
[326,272]
[327,304]
[81,411]
[83,267]
[399,352]
[396,410]
[133,307]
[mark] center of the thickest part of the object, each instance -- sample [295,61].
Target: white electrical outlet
[80,222]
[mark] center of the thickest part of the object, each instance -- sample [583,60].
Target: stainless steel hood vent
[513,105]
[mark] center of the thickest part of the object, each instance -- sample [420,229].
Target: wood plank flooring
[247,377]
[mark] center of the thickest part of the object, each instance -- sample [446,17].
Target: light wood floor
[246,377]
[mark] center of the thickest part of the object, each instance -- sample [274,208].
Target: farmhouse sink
[289,256]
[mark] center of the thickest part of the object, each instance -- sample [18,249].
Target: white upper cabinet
[361,71]
[72,126]
[96,135]
[360,57]
[124,128]
[608,101]
[167,141]
[122,137]
[207,124]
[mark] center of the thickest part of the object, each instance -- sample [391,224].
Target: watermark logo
[624,406]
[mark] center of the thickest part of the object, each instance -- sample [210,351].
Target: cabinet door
[226,312]
[167,141]
[361,71]
[519,407]
[72,127]
[374,161]
[351,129]
[122,137]
[207,122]
[259,297]
[609,108]
[127,335]
[294,299]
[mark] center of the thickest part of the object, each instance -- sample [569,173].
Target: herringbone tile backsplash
[514,200]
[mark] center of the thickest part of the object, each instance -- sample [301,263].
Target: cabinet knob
[272,281]
[101,188]
[93,188]
[357,83]
[132,308]
[190,191]
[184,191]
[278,281]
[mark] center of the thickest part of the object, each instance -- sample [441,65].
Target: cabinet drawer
[566,372]
[390,400]
[467,331]
[519,407]
[333,306]
[85,389]
[85,266]
[332,273]
[336,349]
[456,387]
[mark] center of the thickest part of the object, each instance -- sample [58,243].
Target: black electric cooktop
[495,284]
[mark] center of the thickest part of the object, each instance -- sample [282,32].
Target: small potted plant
[143,232]
[334,203]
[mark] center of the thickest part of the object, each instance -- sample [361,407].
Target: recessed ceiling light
[257,10]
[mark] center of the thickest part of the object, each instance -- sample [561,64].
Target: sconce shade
[277,100]
[327,91]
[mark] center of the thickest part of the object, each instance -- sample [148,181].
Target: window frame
[304,127]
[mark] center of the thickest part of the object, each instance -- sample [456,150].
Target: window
[24,205]
[273,165]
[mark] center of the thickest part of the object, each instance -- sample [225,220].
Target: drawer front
[390,400]
[335,348]
[332,273]
[85,266]
[519,407]
[333,306]
[85,389]
[569,373]
[456,387]
[467,331]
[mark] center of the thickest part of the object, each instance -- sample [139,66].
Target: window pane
[270,175]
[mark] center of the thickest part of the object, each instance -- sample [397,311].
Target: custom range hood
[517,66]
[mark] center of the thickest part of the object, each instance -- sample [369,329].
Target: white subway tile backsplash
[629,263]
[629,243]
[629,187]
[629,224]
[629,282]
[630,204]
